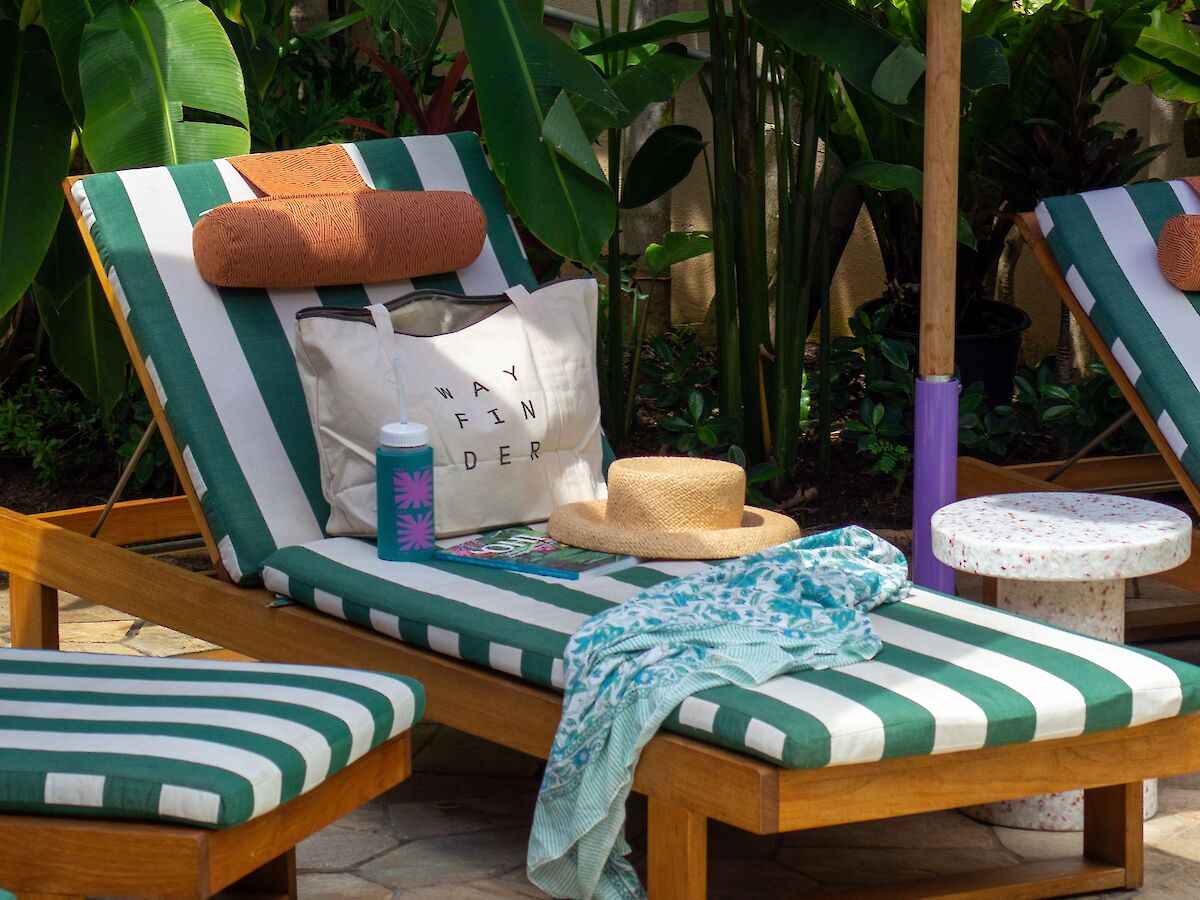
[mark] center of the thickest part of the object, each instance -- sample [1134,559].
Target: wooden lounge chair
[163,778]
[1099,251]
[964,704]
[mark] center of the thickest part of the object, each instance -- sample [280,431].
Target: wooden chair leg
[34,614]
[677,852]
[276,879]
[1112,828]
[28,896]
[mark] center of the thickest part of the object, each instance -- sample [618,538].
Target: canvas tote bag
[506,384]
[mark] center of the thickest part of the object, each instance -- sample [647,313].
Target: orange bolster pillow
[362,237]
[1179,252]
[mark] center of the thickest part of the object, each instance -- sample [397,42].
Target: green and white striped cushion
[222,360]
[953,675]
[1105,244]
[203,742]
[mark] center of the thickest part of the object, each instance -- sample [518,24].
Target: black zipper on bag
[360,314]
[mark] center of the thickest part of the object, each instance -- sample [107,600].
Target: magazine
[525,549]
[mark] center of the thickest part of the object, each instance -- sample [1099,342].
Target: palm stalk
[749,230]
[615,373]
[721,186]
[792,305]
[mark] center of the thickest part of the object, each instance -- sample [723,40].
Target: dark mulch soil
[21,491]
[847,495]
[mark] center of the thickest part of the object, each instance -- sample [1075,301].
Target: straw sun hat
[672,508]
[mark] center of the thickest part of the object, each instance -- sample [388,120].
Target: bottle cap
[403,434]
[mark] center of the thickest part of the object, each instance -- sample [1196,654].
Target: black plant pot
[987,346]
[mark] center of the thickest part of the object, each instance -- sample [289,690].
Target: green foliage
[679,380]
[140,82]
[663,28]
[154,469]
[521,70]
[663,161]
[653,78]
[782,61]
[35,151]
[1073,414]
[1034,77]
[59,435]
[1068,149]
[873,387]
[85,343]
[675,368]
[323,90]
[695,430]
[161,85]
[414,20]
[1165,53]
[676,247]
[871,58]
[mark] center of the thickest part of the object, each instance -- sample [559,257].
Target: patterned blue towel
[801,605]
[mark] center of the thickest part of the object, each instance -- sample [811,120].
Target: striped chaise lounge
[167,778]
[964,705]
[1099,250]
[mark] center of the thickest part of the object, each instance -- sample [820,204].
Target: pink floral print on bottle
[413,490]
[414,532]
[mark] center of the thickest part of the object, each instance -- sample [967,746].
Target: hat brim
[583,524]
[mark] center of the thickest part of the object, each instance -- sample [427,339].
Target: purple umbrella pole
[935,454]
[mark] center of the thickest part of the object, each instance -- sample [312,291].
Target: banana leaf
[673,25]
[161,85]
[846,41]
[415,20]
[85,342]
[886,177]
[35,152]
[663,160]
[676,247]
[653,80]
[64,21]
[1166,58]
[520,71]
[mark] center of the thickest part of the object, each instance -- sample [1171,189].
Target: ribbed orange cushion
[361,237]
[1179,252]
[327,169]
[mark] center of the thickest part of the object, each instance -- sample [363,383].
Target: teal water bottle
[404,492]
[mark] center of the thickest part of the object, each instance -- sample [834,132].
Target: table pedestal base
[1050,812]
[1095,608]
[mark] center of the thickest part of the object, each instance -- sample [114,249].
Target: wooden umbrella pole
[936,440]
[939,222]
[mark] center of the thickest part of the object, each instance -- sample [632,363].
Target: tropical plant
[543,104]
[110,84]
[1068,148]
[873,377]
[529,83]
[450,106]
[1035,75]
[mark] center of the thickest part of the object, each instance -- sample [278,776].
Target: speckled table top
[1064,536]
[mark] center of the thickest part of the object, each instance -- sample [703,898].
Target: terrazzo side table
[1061,558]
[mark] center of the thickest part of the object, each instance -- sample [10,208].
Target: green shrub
[57,434]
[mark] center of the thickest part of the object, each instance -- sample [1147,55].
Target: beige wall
[860,275]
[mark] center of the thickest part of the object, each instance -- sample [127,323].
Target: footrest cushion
[952,675]
[198,741]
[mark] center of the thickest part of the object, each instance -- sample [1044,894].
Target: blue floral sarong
[800,605]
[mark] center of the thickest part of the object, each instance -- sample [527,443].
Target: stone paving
[457,829]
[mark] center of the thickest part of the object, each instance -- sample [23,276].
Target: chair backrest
[221,361]
[1105,243]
